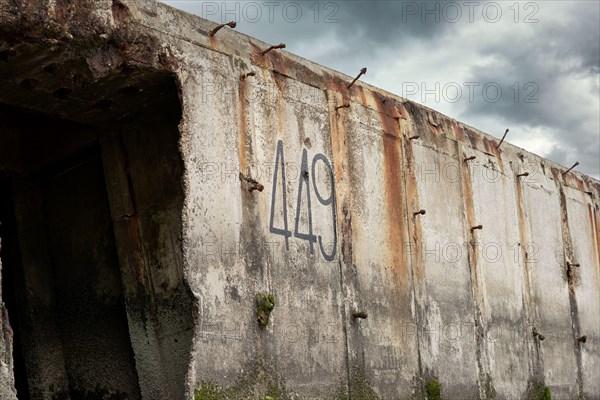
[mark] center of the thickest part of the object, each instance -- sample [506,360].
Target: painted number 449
[304,197]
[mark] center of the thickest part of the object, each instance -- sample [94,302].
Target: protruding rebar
[569,170]
[231,24]
[359,314]
[362,72]
[253,183]
[503,137]
[279,46]
[256,186]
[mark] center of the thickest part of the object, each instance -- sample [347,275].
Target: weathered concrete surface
[7,381]
[485,313]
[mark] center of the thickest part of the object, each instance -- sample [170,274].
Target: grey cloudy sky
[531,66]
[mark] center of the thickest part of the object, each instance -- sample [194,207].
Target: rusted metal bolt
[231,24]
[362,72]
[305,174]
[569,170]
[254,185]
[414,137]
[503,137]
[359,314]
[345,105]
[257,186]
[279,46]
[582,339]
[470,158]
[523,174]
[476,227]
[251,73]
[420,212]
[570,264]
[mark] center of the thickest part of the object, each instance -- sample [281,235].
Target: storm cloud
[530,66]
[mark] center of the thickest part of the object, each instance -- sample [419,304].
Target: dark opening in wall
[90,202]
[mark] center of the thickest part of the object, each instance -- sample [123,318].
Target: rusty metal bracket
[257,186]
[231,24]
[359,314]
[279,46]
[569,170]
[503,137]
[254,184]
[362,72]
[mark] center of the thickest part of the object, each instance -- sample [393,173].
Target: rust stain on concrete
[472,136]
[336,84]
[573,181]
[361,95]
[242,127]
[521,206]
[339,153]
[338,140]
[257,58]
[491,147]
[458,133]
[470,215]
[593,216]
[412,205]
[394,197]
[300,72]
[556,175]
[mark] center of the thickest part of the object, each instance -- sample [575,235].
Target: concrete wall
[7,381]
[484,313]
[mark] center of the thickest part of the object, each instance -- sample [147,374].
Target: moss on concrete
[209,391]
[537,390]
[433,390]
[265,303]
[258,382]
[359,387]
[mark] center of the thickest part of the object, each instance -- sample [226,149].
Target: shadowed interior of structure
[90,203]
